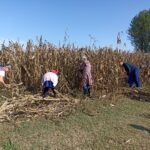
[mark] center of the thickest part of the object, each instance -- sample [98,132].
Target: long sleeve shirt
[2,71]
[129,67]
[50,76]
[85,69]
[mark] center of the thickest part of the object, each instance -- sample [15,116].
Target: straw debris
[28,106]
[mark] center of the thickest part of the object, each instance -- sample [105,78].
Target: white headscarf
[83,57]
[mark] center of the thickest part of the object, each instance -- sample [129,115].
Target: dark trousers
[48,85]
[87,89]
[134,78]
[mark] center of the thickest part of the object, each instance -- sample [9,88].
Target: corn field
[30,63]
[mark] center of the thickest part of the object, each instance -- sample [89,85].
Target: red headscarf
[55,71]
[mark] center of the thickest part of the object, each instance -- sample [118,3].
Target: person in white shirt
[49,82]
[4,69]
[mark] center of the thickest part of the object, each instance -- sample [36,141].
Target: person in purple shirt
[85,70]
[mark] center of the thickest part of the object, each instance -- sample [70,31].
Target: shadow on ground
[141,96]
[140,127]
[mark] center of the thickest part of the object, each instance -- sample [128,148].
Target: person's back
[87,68]
[4,69]
[133,73]
[130,67]
[49,82]
[50,76]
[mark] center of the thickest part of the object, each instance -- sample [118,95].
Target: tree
[139,31]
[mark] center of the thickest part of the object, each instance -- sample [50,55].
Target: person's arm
[127,68]
[42,80]
[2,81]
[82,66]
[54,81]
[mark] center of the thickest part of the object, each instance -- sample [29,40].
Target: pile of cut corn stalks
[25,105]
[28,106]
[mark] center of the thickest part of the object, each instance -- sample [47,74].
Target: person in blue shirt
[133,73]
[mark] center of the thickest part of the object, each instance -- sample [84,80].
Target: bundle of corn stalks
[28,106]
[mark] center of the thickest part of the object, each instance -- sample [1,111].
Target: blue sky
[26,19]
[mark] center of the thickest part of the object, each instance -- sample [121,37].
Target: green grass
[97,125]
[8,145]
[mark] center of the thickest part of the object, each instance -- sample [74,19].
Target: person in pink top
[49,82]
[85,70]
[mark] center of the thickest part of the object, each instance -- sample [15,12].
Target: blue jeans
[87,89]
[48,85]
[134,78]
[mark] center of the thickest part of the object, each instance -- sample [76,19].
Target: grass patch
[8,145]
[120,124]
